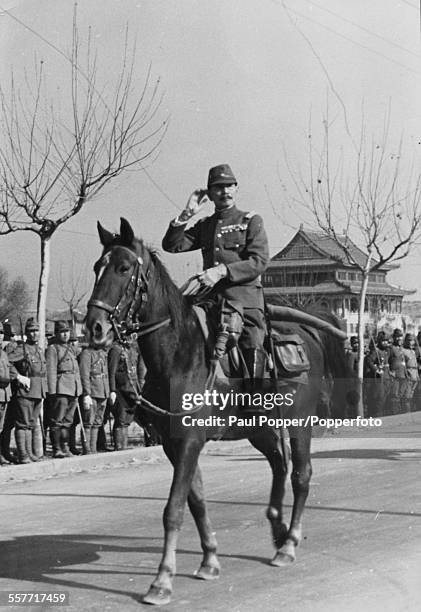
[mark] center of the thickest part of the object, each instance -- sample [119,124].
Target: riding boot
[72,440]
[55,435]
[102,445]
[5,446]
[28,442]
[64,442]
[94,439]
[86,442]
[37,441]
[256,362]
[118,438]
[20,437]
[125,437]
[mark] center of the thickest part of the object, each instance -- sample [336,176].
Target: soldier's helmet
[61,326]
[31,325]
[221,174]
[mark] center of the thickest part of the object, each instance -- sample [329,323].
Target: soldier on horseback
[235,253]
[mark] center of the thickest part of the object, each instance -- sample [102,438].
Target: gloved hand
[211,276]
[194,205]
[87,402]
[24,381]
[113,397]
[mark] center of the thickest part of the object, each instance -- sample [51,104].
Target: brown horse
[133,291]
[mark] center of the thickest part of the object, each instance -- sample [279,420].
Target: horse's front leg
[300,439]
[209,568]
[184,458]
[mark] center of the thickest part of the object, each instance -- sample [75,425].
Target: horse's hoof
[157,596]
[282,559]
[206,572]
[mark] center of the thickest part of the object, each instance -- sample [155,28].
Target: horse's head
[120,285]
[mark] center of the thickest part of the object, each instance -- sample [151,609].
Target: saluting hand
[198,198]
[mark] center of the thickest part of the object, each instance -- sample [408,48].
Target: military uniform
[397,366]
[64,388]
[126,373]
[27,360]
[378,372]
[412,376]
[5,395]
[96,390]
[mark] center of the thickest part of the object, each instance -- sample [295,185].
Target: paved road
[97,534]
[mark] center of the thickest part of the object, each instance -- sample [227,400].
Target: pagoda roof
[324,247]
[341,288]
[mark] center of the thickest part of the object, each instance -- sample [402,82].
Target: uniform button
[237,245]
[220,221]
[216,248]
[216,263]
[218,235]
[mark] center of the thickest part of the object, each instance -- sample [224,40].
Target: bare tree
[374,193]
[51,166]
[15,297]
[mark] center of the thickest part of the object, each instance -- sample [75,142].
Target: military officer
[397,368]
[127,373]
[235,253]
[378,371]
[64,388]
[4,388]
[96,390]
[412,376]
[28,372]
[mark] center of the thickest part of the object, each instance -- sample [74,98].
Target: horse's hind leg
[209,568]
[300,439]
[269,444]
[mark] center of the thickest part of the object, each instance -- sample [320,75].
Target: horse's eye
[124,268]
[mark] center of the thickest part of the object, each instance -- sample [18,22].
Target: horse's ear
[126,232]
[105,236]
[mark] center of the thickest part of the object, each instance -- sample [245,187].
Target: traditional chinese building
[313,269]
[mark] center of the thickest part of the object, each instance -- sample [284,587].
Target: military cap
[354,340]
[221,174]
[31,325]
[381,337]
[60,326]
[397,333]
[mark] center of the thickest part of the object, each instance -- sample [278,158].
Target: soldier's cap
[221,174]
[61,326]
[381,336]
[31,325]
[397,333]
[354,340]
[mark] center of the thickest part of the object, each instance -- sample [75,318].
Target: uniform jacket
[29,355]
[4,376]
[63,371]
[411,364]
[378,363]
[397,361]
[126,368]
[94,372]
[234,238]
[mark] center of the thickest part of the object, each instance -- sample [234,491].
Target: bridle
[133,297]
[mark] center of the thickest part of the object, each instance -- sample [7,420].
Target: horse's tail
[340,379]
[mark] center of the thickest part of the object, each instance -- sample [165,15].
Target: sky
[240,79]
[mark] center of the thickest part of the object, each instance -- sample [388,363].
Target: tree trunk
[43,288]
[363,293]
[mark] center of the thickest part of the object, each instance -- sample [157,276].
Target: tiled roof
[332,288]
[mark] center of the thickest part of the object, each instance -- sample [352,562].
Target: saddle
[287,358]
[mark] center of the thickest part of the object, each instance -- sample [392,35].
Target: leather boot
[20,436]
[28,442]
[37,441]
[56,440]
[5,446]
[64,441]
[86,443]
[118,438]
[125,438]
[72,440]
[256,362]
[94,439]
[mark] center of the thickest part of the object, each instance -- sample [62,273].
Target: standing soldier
[28,372]
[235,253]
[397,368]
[127,373]
[64,388]
[412,376]
[4,389]
[96,390]
[378,371]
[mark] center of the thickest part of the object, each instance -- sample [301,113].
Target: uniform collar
[227,212]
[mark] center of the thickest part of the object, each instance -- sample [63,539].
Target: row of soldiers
[392,372]
[74,386]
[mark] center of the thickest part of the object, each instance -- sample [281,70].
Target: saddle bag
[290,355]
